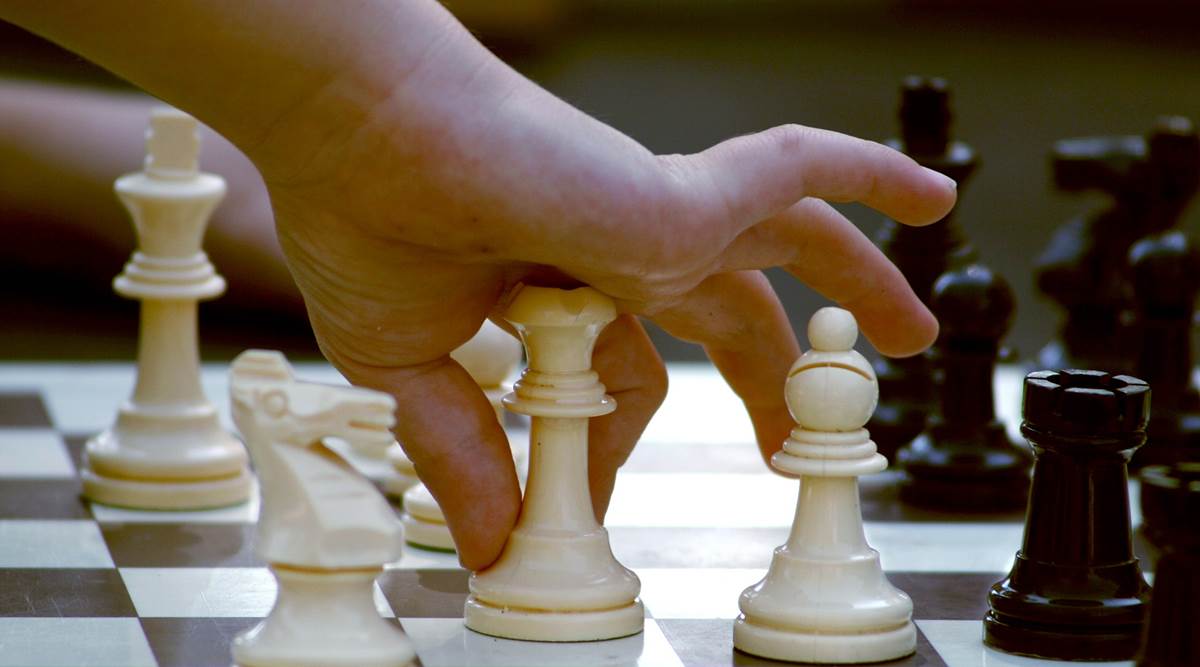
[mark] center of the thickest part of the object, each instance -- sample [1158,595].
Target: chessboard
[696,514]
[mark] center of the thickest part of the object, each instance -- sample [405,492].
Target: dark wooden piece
[1166,279]
[1151,180]
[1171,510]
[964,458]
[922,254]
[1076,591]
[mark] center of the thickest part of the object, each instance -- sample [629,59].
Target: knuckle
[790,137]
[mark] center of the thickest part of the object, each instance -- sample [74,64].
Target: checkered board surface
[695,513]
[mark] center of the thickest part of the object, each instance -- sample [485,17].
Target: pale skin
[416,180]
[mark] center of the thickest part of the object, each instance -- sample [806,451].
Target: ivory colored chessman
[825,598]
[167,449]
[557,579]
[490,357]
[324,530]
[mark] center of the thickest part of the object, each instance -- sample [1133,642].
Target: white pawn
[825,598]
[489,357]
[167,449]
[557,579]
[324,530]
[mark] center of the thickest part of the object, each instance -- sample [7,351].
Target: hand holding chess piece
[825,598]
[324,530]
[557,579]
[490,358]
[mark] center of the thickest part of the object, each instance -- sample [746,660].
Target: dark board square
[197,642]
[946,596]
[194,642]
[425,593]
[75,445]
[42,499]
[61,592]
[181,544]
[23,410]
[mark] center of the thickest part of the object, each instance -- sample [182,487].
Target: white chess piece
[324,529]
[557,579]
[825,598]
[167,449]
[489,357]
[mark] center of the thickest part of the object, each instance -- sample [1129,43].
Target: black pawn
[1171,510]
[964,458]
[1150,181]
[1076,591]
[1166,278]
[921,253]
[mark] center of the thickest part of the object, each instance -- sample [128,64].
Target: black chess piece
[964,458]
[921,253]
[1171,512]
[1166,279]
[1076,591]
[1151,181]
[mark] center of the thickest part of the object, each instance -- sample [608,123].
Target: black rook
[1076,591]
[1170,508]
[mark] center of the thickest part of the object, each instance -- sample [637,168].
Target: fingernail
[951,184]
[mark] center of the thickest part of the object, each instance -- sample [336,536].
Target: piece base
[389,651]
[554,626]
[834,648]
[173,494]
[427,534]
[349,658]
[1087,643]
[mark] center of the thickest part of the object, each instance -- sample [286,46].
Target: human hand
[416,180]
[407,236]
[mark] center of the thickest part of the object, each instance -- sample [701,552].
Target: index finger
[465,462]
[760,174]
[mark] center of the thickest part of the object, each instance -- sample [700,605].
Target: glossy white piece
[490,357]
[825,598]
[167,449]
[424,523]
[324,529]
[321,619]
[557,579]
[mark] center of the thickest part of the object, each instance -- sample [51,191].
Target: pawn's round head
[832,387]
[832,330]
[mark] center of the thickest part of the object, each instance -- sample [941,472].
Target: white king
[167,449]
[825,599]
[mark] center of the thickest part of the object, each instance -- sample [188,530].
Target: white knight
[324,529]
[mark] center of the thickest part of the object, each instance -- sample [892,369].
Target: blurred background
[680,75]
